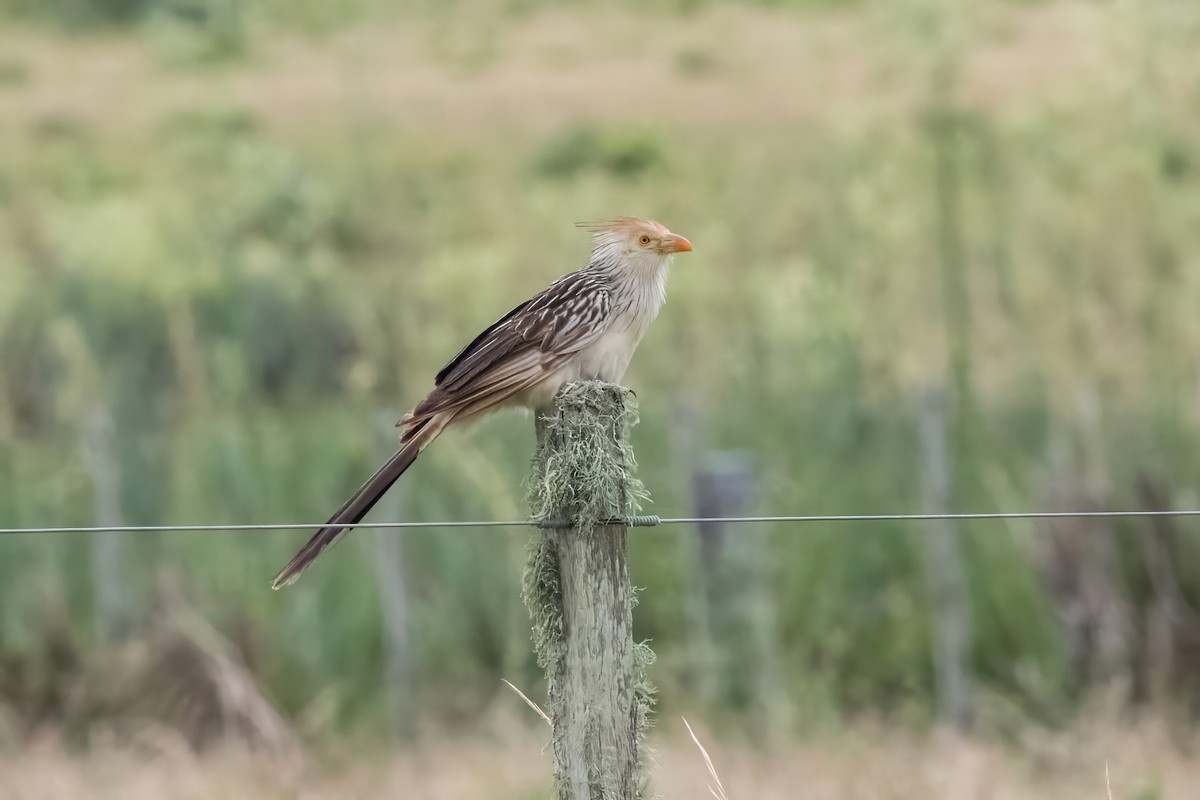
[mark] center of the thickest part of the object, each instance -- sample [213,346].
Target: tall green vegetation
[244,297]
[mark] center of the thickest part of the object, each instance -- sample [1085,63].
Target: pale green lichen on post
[582,476]
[586,479]
[644,698]
[542,593]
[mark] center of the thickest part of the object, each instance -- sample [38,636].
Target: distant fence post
[110,595]
[945,572]
[697,600]
[737,575]
[579,597]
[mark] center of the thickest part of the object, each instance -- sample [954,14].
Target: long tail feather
[352,511]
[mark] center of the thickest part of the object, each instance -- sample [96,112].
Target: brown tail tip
[288,575]
[351,512]
[282,579]
[307,555]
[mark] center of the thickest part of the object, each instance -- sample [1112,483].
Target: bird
[584,326]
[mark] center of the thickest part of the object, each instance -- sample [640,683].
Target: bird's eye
[643,240]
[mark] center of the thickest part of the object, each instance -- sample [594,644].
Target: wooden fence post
[579,597]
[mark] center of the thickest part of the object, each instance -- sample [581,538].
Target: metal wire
[919,517]
[646,521]
[266,526]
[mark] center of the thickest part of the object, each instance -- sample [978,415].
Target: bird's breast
[608,357]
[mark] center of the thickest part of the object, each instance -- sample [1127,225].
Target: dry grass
[724,67]
[512,766]
[536,708]
[716,788]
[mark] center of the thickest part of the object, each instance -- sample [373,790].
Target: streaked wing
[532,340]
[478,342]
[560,320]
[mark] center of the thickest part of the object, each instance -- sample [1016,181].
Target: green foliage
[199,31]
[245,292]
[81,15]
[13,72]
[31,370]
[626,155]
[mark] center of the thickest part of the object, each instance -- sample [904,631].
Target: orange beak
[680,244]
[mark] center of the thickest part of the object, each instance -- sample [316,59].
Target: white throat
[638,278]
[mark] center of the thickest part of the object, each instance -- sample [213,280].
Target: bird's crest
[628,226]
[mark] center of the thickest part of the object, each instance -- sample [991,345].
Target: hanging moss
[584,463]
[582,477]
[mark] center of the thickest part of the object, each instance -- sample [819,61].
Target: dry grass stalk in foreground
[719,791]
[536,708]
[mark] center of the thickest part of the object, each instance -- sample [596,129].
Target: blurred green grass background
[246,235]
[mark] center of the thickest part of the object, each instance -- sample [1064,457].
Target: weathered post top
[579,596]
[583,466]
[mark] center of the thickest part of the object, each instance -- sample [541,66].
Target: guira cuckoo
[584,326]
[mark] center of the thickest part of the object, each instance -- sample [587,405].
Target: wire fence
[642,521]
